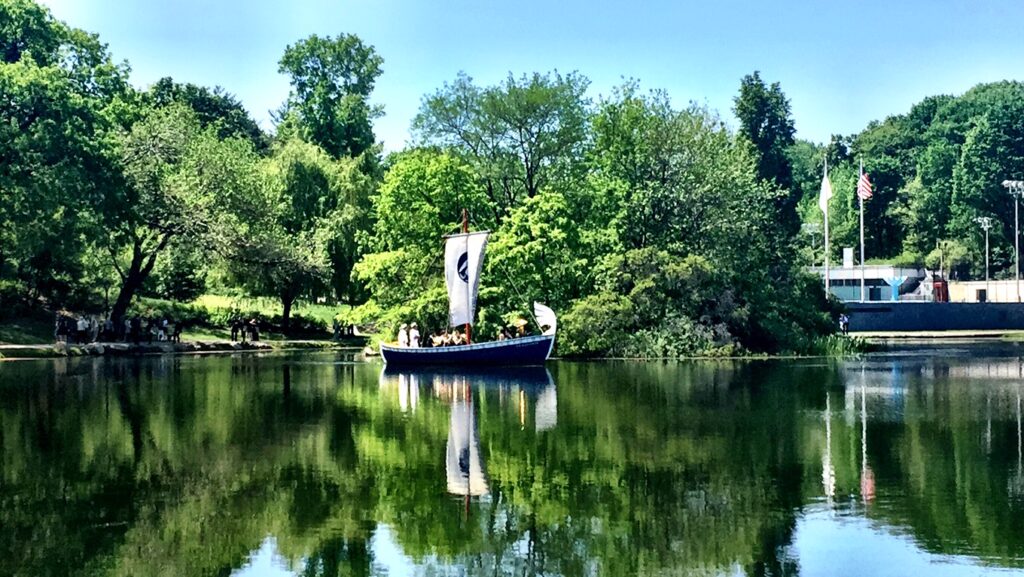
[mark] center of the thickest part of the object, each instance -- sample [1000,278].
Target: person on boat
[458,338]
[403,335]
[436,340]
[414,336]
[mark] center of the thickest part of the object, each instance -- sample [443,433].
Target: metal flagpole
[986,223]
[827,273]
[1016,242]
[861,197]
[988,292]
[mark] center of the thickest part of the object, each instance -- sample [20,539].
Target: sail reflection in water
[462,456]
[466,474]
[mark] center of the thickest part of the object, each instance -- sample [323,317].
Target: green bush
[185,314]
[595,326]
[678,336]
[13,298]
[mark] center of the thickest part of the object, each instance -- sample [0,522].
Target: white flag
[463,259]
[826,193]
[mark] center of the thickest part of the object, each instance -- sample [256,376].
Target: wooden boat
[524,351]
[463,258]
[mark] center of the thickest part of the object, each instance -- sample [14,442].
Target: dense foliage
[935,169]
[110,193]
[648,226]
[653,230]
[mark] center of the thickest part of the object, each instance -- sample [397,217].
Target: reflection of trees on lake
[183,466]
[941,445]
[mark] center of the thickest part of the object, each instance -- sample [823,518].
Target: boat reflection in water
[516,389]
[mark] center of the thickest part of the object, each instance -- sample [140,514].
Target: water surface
[314,464]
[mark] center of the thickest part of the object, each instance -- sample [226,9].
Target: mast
[465,230]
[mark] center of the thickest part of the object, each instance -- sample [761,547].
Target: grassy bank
[269,308]
[35,328]
[205,319]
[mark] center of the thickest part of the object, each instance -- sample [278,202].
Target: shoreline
[116,349]
[1011,334]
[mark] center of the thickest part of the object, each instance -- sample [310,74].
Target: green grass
[37,328]
[32,330]
[269,307]
[208,334]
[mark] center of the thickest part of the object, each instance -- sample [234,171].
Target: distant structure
[881,282]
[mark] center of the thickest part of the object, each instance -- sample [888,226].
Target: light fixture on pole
[1016,189]
[986,223]
[811,229]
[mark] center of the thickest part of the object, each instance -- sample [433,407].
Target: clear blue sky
[841,64]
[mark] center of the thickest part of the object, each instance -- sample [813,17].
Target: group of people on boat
[409,336]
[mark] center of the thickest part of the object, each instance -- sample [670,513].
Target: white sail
[463,259]
[463,462]
[545,318]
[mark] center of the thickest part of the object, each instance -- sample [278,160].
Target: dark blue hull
[525,351]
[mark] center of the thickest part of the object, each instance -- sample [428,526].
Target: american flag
[864,186]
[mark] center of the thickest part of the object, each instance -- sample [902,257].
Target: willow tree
[310,208]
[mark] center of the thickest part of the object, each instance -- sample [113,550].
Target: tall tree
[522,135]
[212,107]
[310,202]
[180,182]
[57,86]
[332,79]
[765,120]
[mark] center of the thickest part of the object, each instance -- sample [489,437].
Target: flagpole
[827,274]
[861,231]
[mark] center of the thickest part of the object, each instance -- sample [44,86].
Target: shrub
[595,326]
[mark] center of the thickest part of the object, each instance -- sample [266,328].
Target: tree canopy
[332,79]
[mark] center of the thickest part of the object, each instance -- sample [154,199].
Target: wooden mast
[465,230]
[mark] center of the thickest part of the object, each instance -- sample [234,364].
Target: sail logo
[463,267]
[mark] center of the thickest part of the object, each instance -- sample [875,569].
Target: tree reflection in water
[202,465]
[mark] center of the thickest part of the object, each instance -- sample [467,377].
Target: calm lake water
[314,464]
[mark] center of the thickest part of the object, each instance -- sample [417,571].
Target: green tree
[212,107]
[522,135]
[180,182]
[59,87]
[421,199]
[309,201]
[331,80]
[766,121]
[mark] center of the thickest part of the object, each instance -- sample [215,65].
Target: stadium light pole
[986,223]
[1016,189]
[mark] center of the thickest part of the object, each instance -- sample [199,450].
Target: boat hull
[525,351]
